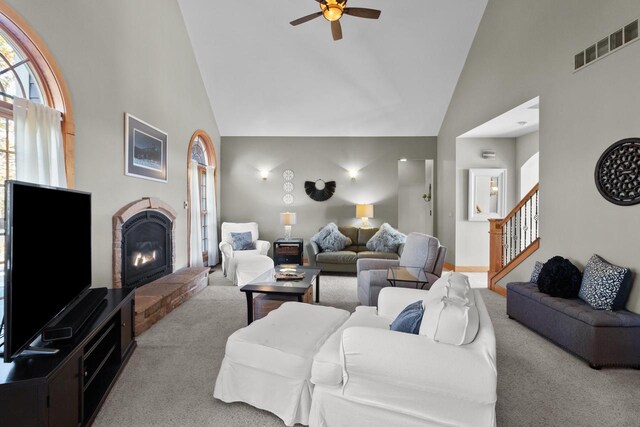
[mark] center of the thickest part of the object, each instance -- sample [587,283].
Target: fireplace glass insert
[146,248]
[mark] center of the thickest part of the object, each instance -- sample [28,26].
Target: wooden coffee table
[275,292]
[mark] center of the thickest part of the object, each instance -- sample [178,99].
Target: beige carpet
[169,379]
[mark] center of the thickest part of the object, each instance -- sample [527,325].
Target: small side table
[288,251]
[416,275]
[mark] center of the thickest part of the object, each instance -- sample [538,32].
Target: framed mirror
[487,194]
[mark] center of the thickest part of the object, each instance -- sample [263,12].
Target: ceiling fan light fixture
[332,11]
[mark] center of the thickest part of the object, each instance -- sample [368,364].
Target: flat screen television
[48,258]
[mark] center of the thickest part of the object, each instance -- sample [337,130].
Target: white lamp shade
[364,211]
[288,218]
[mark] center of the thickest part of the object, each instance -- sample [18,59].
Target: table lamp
[287,219]
[364,212]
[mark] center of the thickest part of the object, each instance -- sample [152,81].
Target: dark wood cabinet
[67,389]
[288,251]
[126,326]
[64,395]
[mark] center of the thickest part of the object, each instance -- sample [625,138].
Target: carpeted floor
[169,379]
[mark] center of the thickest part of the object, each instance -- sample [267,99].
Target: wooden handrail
[520,204]
[508,237]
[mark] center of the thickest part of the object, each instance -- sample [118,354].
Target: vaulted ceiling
[389,77]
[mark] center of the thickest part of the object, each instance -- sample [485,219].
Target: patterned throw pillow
[242,241]
[330,239]
[536,272]
[605,286]
[386,239]
[409,319]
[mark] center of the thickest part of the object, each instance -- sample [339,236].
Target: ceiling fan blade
[324,2]
[362,12]
[305,18]
[336,30]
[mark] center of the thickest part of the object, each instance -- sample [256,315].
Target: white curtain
[212,216]
[39,146]
[195,239]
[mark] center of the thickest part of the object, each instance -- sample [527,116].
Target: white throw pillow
[450,312]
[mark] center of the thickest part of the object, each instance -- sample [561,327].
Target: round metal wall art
[617,172]
[288,175]
[288,199]
[287,187]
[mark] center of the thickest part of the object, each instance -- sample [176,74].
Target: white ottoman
[243,269]
[268,363]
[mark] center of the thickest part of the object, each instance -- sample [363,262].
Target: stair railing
[514,238]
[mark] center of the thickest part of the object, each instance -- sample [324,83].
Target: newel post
[495,247]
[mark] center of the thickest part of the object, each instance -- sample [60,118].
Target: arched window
[17,78]
[27,70]
[202,152]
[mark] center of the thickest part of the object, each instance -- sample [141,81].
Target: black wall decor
[617,172]
[320,190]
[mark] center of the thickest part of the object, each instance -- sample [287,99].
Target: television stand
[68,388]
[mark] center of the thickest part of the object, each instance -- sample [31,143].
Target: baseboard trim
[466,268]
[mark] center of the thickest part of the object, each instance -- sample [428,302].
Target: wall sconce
[427,196]
[264,174]
[364,212]
[488,154]
[403,160]
[353,174]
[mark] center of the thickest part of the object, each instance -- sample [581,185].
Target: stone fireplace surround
[156,299]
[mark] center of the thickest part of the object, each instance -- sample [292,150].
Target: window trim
[55,92]
[212,160]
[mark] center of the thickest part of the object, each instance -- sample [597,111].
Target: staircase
[514,238]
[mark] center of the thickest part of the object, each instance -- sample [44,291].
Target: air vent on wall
[607,45]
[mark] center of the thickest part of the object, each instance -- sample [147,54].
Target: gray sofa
[344,261]
[420,250]
[602,338]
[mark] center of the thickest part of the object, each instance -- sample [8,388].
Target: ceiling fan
[332,10]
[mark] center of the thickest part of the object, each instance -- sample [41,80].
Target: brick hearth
[158,298]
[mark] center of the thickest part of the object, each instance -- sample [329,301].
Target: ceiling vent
[607,45]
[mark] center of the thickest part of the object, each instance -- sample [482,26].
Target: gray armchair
[420,250]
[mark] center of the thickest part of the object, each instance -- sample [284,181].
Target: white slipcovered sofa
[226,244]
[368,375]
[321,366]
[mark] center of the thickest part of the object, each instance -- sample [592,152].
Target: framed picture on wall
[145,150]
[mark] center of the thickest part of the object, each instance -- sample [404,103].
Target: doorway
[415,196]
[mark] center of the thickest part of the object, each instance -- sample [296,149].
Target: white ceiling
[521,120]
[390,77]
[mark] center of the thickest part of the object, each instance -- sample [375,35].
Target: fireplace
[146,248]
[143,243]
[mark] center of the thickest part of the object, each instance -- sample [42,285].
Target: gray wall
[524,49]
[122,56]
[246,197]
[526,146]
[472,237]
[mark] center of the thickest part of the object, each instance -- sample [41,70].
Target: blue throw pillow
[409,319]
[536,272]
[330,239]
[242,241]
[605,286]
[386,239]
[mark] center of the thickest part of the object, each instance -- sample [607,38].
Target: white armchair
[365,374]
[226,242]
